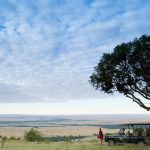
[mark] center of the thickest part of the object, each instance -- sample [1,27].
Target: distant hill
[112,118]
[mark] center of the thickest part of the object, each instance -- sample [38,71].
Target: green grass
[95,145]
[63,138]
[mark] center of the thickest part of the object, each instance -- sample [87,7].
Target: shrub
[4,139]
[12,138]
[18,138]
[33,135]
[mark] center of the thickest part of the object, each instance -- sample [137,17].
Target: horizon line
[76,114]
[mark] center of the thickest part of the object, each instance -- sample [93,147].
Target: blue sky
[48,49]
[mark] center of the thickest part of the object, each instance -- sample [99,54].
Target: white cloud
[48,50]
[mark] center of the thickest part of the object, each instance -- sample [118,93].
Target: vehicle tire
[111,143]
[141,143]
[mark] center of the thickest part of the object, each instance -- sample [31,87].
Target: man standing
[100,135]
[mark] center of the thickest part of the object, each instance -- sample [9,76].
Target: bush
[18,138]
[12,138]
[4,139]
[33,135]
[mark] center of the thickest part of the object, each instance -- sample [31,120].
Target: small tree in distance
[4,139]
[126,70]
[33,135]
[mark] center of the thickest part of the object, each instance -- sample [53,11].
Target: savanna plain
[65,132]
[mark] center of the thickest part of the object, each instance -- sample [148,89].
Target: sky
[48,49]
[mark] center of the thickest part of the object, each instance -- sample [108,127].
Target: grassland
[82,129]
[17,125]
[54,131]
[94,145]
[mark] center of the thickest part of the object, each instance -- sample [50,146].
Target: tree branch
[138,101]
[139,92]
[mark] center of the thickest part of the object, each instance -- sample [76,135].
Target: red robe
[100,136]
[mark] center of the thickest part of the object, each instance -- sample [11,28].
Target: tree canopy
[126,70]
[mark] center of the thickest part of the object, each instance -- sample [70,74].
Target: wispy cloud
[48,48]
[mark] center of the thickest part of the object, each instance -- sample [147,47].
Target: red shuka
[100,136]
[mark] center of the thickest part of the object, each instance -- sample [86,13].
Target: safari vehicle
[138,133]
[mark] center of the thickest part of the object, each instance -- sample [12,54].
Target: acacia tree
[126,70]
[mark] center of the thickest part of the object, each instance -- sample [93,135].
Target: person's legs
[101,141]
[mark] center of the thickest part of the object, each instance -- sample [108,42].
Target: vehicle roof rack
[137,123]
